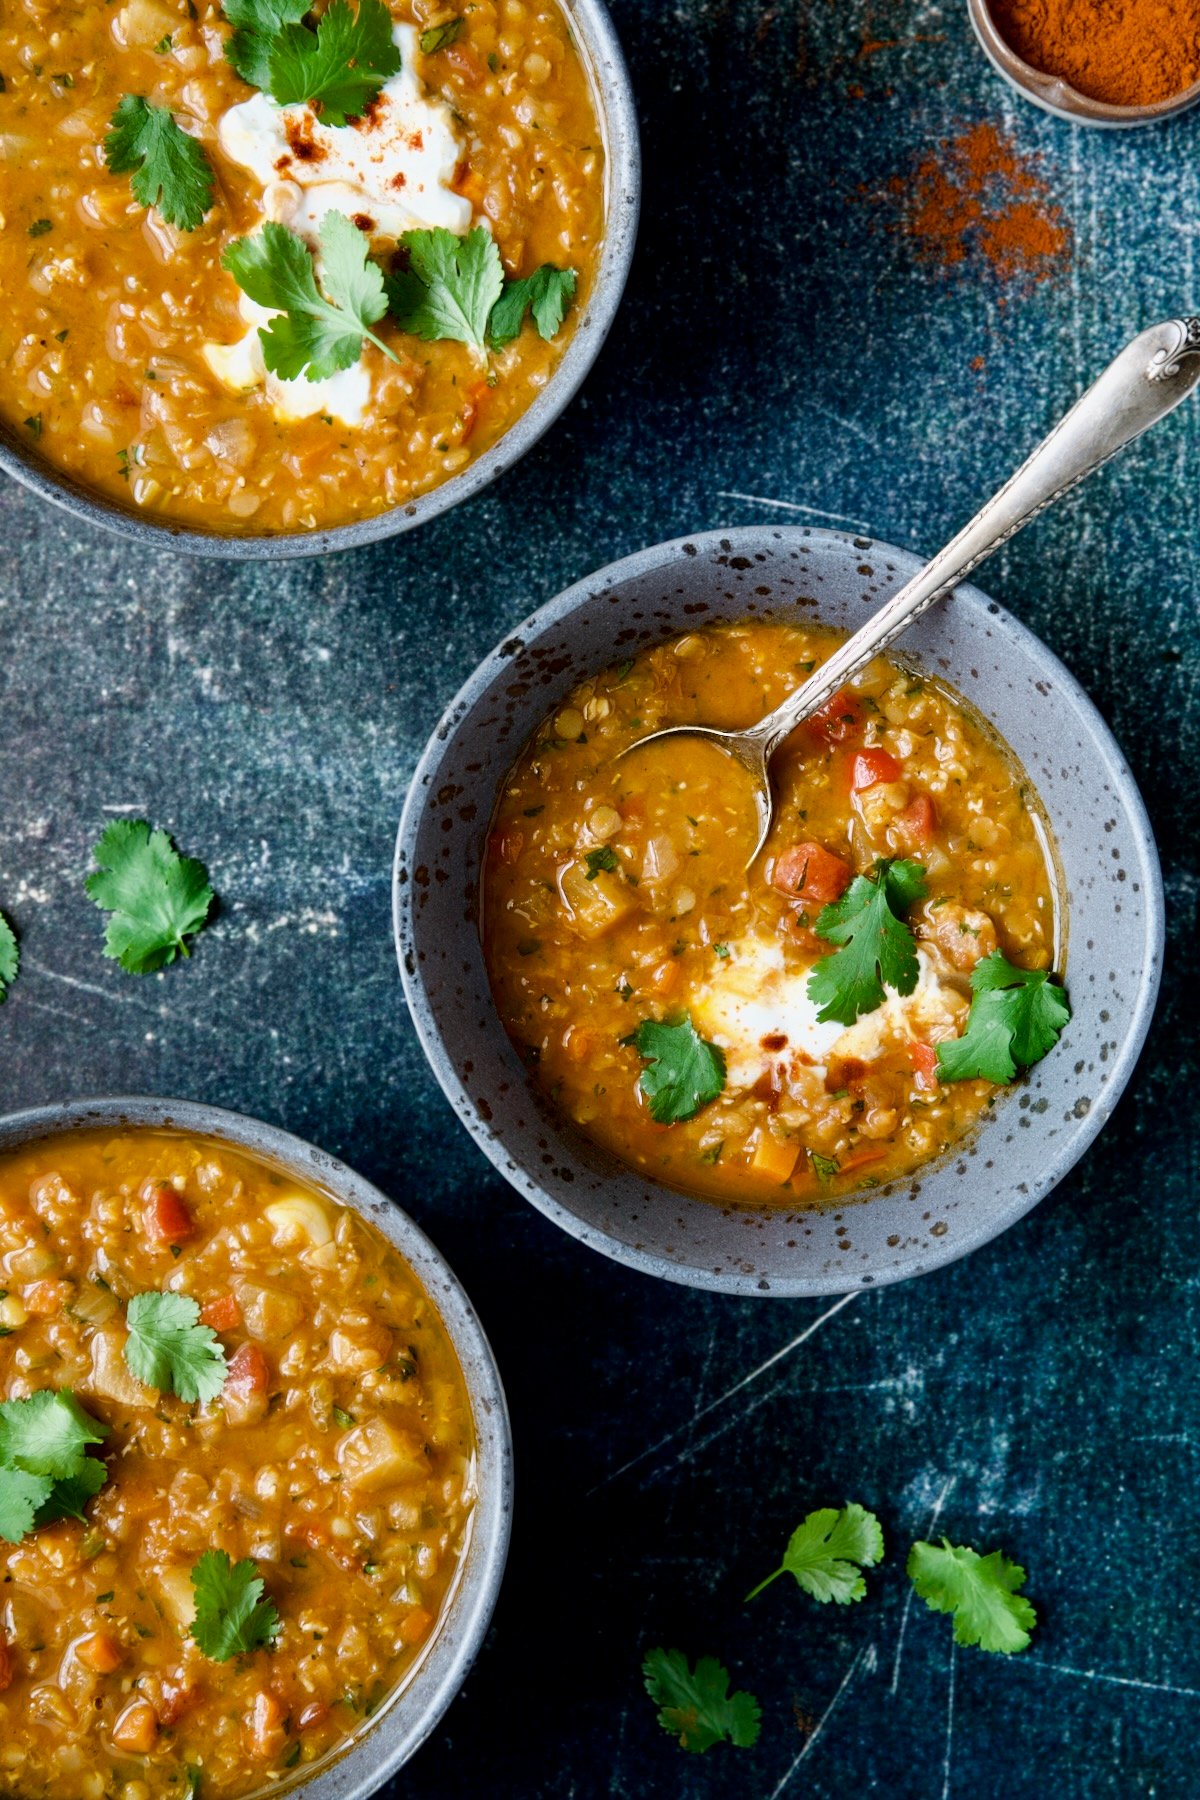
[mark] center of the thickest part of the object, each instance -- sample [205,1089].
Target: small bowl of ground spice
[1098,62]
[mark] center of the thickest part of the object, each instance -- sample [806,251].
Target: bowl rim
[623,172]
[389,1740]
[1055,95]
[680,552]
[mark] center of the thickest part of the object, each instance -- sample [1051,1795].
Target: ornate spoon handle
[1142,385]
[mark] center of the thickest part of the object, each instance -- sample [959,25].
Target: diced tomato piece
[506,845]
[838,719]
[178,1698]
[810,872]
[465,63]
[6,1666]
[870,766]
[249,1371]
[167,1219]
[923,1058]
[222,1314]
[100,1652]
[45,1298]
[918,820]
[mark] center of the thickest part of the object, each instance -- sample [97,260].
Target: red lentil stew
[249,1576]
[171,168]
[830,1020]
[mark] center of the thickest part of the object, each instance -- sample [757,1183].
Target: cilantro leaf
[157,897]
[47,1434]
[169,1349]
[256,25]
[340,66]
[169,169]
[450,286]
[1015,1019]
[824,1550]
[21,1495]
[314,335]
[981,1592]
[605,857]
[69,1495]
[548,291]
[10,957]
[695,1705]
[231,1614]
[685,1072]
[877,946]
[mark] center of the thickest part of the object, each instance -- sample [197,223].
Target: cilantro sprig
[980,1592]
[169,170]
[10,957]
[454,287]
[46,1472]
[684,1071]
[1015,1019]
[827,1552]
[169,1349]
[316,332]
[695,1705]
[157,898]
[338,65]
[877,947]
[232,1614]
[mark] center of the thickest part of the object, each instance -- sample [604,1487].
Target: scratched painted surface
[782,353]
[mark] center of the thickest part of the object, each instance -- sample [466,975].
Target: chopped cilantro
[232,1615]
[439,36]
[695,1705]
[169,169]
[877,947]
[603,858]
[827,1552]
[256,26]
[164,44]
[169,1349]
[33,424]
[343,1418]
[450,285]
[157,898]
[684,1072]
[1015,1019]
[824,1167]
[40,227]
[315,333]
[10,957]
[721,950]
[45,1470]
[339,65]
[980,1591]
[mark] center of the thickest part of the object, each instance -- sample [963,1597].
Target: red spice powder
[1128,52]
[976,201]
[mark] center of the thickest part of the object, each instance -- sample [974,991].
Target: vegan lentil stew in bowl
[266,272]
[807,1027]
[858,1060]
[239,1470]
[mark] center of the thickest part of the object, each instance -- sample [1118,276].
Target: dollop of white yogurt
[389,171]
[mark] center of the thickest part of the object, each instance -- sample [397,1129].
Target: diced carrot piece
[918,821]
[774,1158]
[838,719]
[470,184]
[473,408]
[137,1728]
[810,872]
[665,978]
[465,63]
[416,1625]
[871,766]
[45,1298]
[264,1727]
[248,1370]
[167,1219]
[578,1043]
[100,1652]
[861,1159]
[221,1314]
[923,1058]
[6,1665]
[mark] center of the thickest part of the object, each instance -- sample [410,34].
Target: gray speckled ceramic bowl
[404,1722]
[601,51]
[1113,895]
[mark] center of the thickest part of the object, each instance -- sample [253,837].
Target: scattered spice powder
[1127,52]
[976,201]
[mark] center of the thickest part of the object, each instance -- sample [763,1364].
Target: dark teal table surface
[782,353]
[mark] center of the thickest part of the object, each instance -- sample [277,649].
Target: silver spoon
[1146,381]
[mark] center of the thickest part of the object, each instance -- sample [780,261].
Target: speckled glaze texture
[1111,891]
[401,1726]
[601,50]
